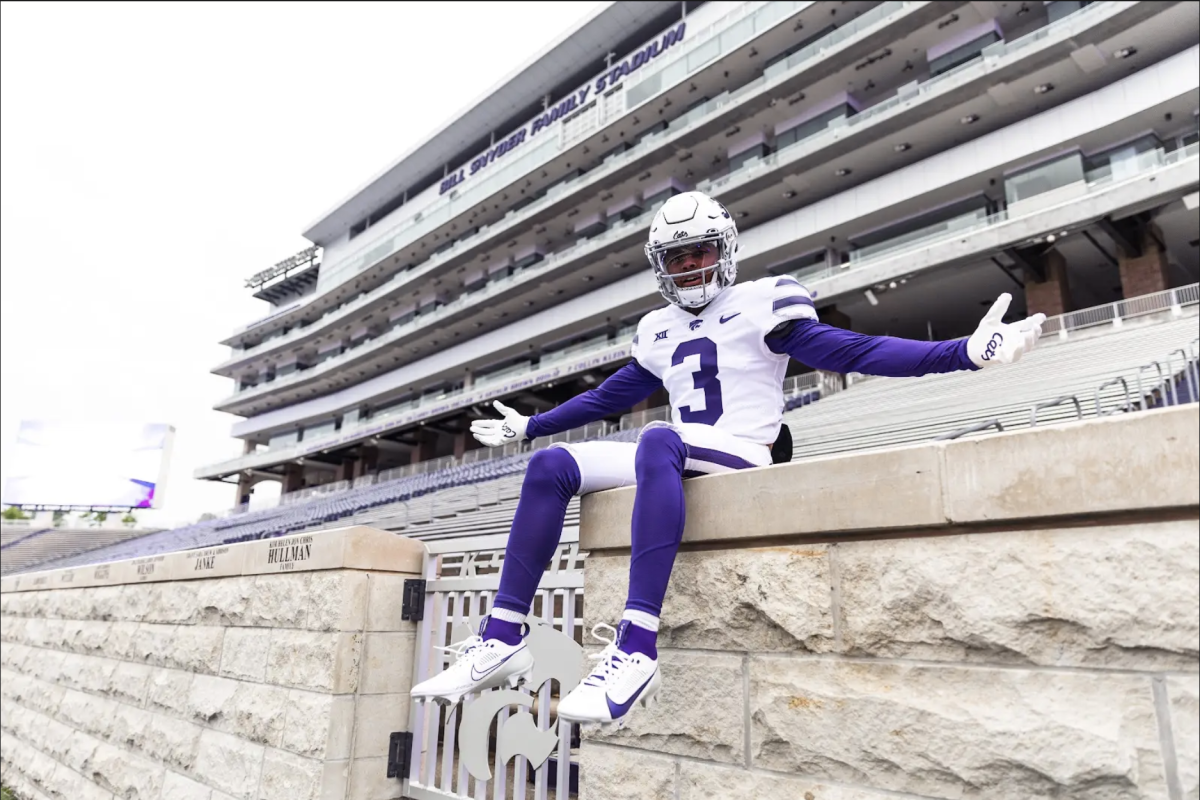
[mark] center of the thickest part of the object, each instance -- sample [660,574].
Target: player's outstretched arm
[625,388]
[825,347]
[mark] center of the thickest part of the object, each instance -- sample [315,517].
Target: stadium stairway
[480,498]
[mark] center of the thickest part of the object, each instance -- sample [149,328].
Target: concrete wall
[1009,616]
[270,670]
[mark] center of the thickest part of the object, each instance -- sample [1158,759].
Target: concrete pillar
[245,487]
[1147,273]
[425,448]
[293,478]
[1053,295]
[345,470]
[460,443]
[368,461]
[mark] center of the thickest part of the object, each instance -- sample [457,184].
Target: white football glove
[496,432]
[994,342]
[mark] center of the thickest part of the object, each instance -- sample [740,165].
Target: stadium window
[757,151]
[1044,177]
[963,53]
[805,129]
[1121,160]
[1062,8]
[386,208]
[358,228]
[821,34]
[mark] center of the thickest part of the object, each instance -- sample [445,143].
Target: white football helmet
[695,236]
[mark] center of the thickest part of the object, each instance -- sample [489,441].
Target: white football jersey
[716,365]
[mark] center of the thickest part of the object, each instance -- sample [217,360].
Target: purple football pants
[553,478]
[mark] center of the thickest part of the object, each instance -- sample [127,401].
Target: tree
[57,518]
[129,520]
[13,512]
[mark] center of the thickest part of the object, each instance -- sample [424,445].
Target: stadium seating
[480,497]
[884,412]
[50,544]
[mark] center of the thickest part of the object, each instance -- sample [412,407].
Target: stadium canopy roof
[576,54]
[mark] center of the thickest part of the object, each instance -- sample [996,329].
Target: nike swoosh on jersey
[618,710]
[481,675]
[731,316]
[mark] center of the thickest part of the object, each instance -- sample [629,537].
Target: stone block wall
[1008,617]
[283,685]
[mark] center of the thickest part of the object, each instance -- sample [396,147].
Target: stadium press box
[357,547]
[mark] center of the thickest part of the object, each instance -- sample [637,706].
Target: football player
[721,350]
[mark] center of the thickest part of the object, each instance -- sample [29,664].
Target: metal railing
[1160,161]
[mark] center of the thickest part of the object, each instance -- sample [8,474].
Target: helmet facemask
[710,257]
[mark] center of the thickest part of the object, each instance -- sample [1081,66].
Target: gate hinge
[399,754]
[414,600]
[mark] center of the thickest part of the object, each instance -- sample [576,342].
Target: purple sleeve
[626,387]
[825,347]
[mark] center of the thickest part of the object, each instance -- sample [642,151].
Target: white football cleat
[620,680]
[478,665]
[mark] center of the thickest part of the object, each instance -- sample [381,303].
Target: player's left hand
[995,342]
[496,432]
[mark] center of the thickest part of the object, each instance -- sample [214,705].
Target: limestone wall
[271,670]
[1013,616]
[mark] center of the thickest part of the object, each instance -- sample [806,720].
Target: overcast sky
[156,155]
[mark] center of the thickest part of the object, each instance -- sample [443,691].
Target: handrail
[1128,401]
[979,426]
[1058,401]
[1141,392]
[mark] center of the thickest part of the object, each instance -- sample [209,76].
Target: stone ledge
[357,547]
[1072,470]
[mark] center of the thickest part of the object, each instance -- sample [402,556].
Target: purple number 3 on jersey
[704,379]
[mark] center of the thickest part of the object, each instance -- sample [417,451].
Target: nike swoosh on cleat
[480,676]
[618,710]
[731,316]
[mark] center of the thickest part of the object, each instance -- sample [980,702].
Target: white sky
[156,155]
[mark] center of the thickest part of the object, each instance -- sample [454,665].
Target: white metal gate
[462,577]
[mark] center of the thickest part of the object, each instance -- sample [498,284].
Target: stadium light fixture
[1125,52]
[1043,88]
[843,172]
[871,298]
[969,119]
[900,148]
[789,194]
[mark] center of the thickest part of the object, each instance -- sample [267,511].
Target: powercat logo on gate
[557,657]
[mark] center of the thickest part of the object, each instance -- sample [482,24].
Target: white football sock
[641,619]
[508,615]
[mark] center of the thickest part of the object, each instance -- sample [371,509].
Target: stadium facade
[907,161]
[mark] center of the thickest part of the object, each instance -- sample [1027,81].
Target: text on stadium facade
[564,107]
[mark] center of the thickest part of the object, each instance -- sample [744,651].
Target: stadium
[906,162]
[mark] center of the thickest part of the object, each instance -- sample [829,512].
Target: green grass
[6,794]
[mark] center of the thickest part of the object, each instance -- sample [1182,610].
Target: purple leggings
[553,478]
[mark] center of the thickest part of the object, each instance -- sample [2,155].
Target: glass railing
[551,263]
[950,226]
[1149,162]
[516,219]
[412,228]
[991,56]
[701,47]
[552,366]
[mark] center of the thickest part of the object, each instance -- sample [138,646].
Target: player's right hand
[997,342]
[497,432]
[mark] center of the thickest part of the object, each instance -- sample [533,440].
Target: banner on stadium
[567,105]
